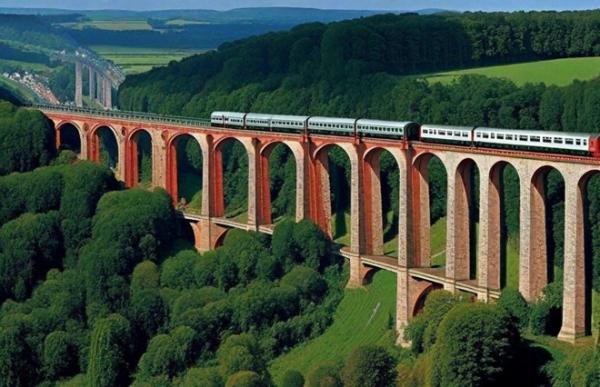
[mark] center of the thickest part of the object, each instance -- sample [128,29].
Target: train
[587,144]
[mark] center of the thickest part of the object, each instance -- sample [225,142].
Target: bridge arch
[185,158]
[381,199]
[429,207]
[140,158]
[346,175]
[231,183]
[274,190]
[105,146]
[70,136]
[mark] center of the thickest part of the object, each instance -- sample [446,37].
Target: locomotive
[535,140]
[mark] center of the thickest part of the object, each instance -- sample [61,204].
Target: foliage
[324,375]
[244,379]
[24,153]
[513,302]
[292,378]
[369,366]
[545,315]
[59,356]
[476,345]
[580,368]
[109,350]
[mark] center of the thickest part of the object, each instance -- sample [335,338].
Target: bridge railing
[128,115]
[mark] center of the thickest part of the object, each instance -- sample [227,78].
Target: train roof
[235,114]
[530,132]
[447,127]
[331,120]
[399,124]
[259,116]
[283,117]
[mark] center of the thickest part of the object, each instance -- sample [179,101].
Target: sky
[392,5]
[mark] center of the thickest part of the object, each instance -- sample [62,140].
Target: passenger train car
[541,141]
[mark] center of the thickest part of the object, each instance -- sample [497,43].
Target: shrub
[369,365]
[145,276]
[513,302]
[545,315]
[476,345]
[244,379]
[324,375]
[202,377]
[292,378]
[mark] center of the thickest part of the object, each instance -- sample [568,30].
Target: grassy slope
[112,25]
[558,72]
[362,317]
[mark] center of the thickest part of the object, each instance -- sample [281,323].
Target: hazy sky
[459,5]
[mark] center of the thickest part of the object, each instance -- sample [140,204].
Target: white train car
[344,126]
[446,133]
[289,123]
[537,140]
[258,121]
[235,119]
[384,128]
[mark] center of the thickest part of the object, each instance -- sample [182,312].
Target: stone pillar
[99,87]
[489,230]
[420,212]
[91,83]
[458,232]
[372,212]
[78,85]
[320,194]
[533,266]
[574,324]
[264,188]
[253,176]
[107,93]
[356,203]
[122,161]
[301,155]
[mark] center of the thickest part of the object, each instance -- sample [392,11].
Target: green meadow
[559,72]
[135,60]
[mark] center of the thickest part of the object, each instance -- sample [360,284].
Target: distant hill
[283,15]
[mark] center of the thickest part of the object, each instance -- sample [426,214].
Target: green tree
[244,379]
[109,352]
[476,345]
[59,358]
[369,365]
[292,378]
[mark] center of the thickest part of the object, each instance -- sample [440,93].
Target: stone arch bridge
[415,277]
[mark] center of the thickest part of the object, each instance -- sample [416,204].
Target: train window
[465,135]
[569,141]
[558,140]
[500,136]
[442,132]
[425,131]
[534,138]
[523,138]
[485,135]
[492,135]
[584,142]
[577,142]
[547,139]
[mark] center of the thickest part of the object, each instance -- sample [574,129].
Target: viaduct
[100,84]
[415,276]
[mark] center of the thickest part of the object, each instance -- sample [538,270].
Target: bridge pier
[78,85]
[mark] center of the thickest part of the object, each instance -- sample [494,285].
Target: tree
[307,281]
[244,379]
[145,276]
[202,377]
[59,357]
[476,345]
[147,312]
[292,378]
[513,302]
[369,365]
[109,352]
[15,358]
[324,375]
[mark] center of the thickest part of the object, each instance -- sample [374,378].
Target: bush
[145,276]
[309,283]
[423,328]
[202,377]
[369,365]
[545,315]
[324,375]
[168,355]
[476,345]
[244,379]
[513,302]
[60,355]
[241,353]
[292,378]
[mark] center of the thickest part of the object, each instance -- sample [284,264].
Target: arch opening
[503,227]
[466,219]
[142,158]
[108,148]
[189,172]
[69,138]
[232,180]
[381,202]
[281,171]
[430,181]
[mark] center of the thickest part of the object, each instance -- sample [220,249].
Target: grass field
[18,89]
[559,72]
[135,60]
[112,25]
[184,22]
[363,317]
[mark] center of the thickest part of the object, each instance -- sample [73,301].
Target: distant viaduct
[415,276]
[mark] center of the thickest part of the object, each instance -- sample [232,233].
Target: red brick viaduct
[415,277]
